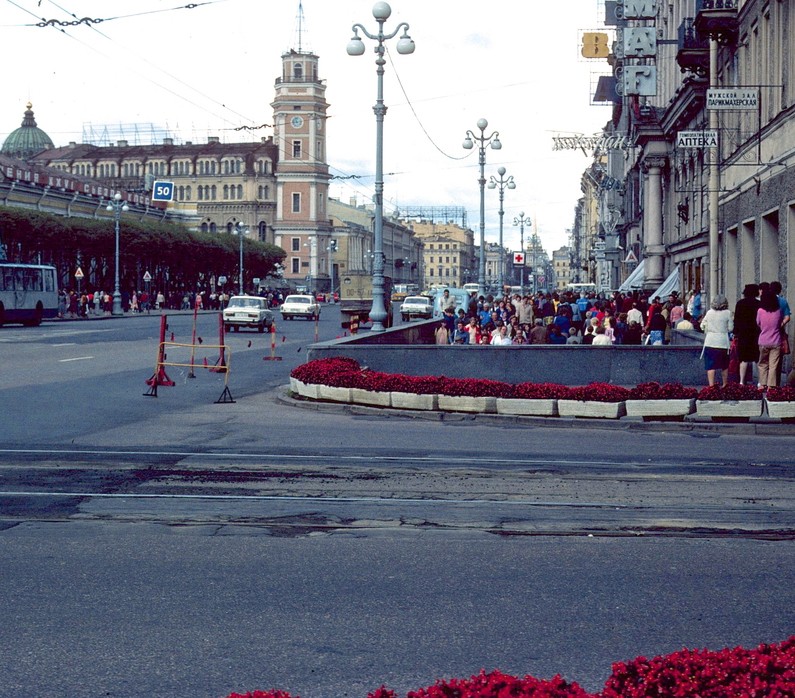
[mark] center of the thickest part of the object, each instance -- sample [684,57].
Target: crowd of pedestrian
[566,318]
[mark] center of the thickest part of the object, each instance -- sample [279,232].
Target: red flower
[733,391]
[782,393]
[599,392]
[664,391]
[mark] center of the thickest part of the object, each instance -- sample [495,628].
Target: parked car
[300,306]
[247,311]
[416,307]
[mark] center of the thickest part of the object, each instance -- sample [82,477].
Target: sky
[151,66]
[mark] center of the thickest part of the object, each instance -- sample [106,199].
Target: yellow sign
[595,45]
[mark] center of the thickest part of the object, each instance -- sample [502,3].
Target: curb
[697,426]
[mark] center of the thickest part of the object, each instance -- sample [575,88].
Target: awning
[634,282]
[670,284]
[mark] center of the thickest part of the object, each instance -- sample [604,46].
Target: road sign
[79,273]
[518,258]
[631,258]
[163,191]
[147,276]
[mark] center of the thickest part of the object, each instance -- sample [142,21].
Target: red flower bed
[782,393]
[475,387]
[536,391]
[662,391]
[767,671]
[733,391]
[599,392]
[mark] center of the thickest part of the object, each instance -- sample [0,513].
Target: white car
[247,311]
[416,306]
[300,306]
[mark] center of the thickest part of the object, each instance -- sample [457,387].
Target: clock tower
[302,227]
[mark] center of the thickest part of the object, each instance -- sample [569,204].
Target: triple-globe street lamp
[405,45]
[483,140]
[502,184]
[117,206]
[521,221]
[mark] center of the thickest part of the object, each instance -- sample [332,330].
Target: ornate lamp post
[502,184]
[117,206]
[405,45]
[482,140]
[241,232]
[521,221]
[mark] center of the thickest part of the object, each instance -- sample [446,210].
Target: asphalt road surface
[175,546]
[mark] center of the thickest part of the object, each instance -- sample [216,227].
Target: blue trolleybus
[28,293]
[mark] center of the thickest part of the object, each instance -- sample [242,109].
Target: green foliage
[167,251]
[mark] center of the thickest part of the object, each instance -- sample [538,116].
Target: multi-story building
[275,189]
[353,231]
[561,266]
[695,173]
[448,252]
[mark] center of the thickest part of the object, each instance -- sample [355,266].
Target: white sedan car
[300,306]
[247,311]
[416,307]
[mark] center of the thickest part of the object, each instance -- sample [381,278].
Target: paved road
[173,546]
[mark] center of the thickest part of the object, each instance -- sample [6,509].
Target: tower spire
[301,31]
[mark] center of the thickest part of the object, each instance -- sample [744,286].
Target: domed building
[28,140]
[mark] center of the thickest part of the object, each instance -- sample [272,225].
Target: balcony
[693,52]
[718,19]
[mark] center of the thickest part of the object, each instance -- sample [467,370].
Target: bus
[28,293]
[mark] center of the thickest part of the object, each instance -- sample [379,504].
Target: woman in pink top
[768,319]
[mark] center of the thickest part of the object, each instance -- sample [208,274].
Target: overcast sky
[211,69]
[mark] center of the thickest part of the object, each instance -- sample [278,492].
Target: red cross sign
[518,258]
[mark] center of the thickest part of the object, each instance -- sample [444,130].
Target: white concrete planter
[412,401]
[334,394]
[307,390]
[540,407]
[464,403]
[591,408]
[376,398]
[661,408]
[729,408]
[780,410]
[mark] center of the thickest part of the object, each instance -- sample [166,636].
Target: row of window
[161,169]
[446,246]
[231,192]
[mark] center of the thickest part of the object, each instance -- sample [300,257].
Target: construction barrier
[221,366]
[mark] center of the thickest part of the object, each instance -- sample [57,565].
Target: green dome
[28,140]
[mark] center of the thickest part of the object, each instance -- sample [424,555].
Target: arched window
[187,193]
[298,71]
[226,166]
[239,191]
[212,167]
[213,228]
[201,193]
[205,228]
[181,193]
[226,191]
[214,191]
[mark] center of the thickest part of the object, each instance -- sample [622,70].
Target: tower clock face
[297,122]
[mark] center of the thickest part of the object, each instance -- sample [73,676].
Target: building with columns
[695,171]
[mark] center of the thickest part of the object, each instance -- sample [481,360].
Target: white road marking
[76,358]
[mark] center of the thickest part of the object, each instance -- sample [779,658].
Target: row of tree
[177,259]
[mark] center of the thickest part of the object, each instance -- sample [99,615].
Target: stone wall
[409,349]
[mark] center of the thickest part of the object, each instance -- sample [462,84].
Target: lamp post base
[116,309]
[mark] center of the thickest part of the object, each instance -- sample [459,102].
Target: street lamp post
[332,248]
[494,141]
[117,206]
[405,45]
[502,184]
[521,221]
[240,233]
